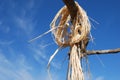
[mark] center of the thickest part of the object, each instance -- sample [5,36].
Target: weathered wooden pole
[72,8]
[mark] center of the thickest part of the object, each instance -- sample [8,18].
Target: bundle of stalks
[73,34]
[66,33]
[74,69]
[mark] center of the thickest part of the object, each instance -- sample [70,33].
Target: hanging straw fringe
[53,55]
[48,66]
[75,70]
[42,35]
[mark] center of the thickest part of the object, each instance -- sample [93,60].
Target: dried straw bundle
[66,33]
[73,33]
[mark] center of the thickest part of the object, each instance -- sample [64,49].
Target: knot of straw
[66,33]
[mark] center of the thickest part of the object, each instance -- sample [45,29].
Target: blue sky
[22,20]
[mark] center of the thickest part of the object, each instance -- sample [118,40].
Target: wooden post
[72,8]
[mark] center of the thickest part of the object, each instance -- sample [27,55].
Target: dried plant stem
[75,69]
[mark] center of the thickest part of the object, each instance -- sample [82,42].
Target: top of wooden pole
[72,8]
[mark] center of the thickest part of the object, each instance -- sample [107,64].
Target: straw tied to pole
[72,31]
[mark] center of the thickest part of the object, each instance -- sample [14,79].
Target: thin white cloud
[23,62]
[6,68]
[12,71]
[5,42]
[40,55]
[7,73]
[100,78]
[24,75]
[7,30]
[0,23]
[3,60]
[30,4]
[25,24]
[45,76]
[4,28]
